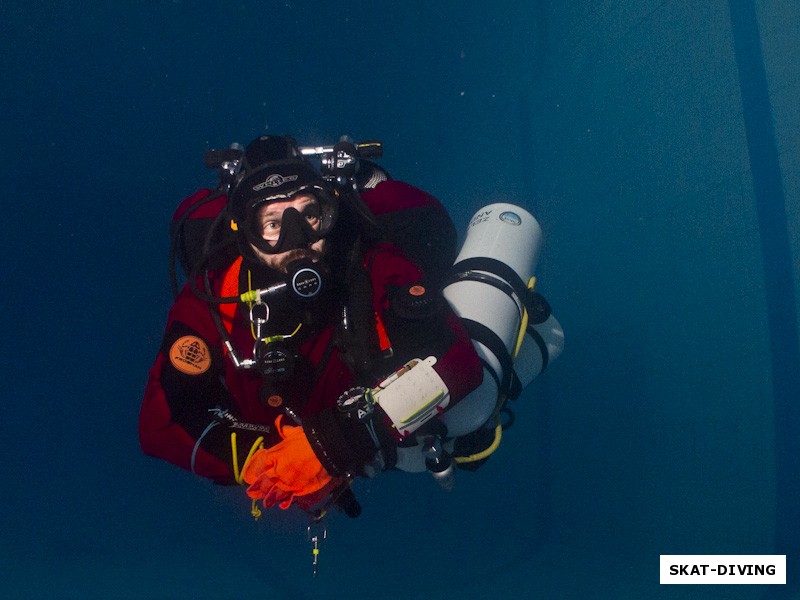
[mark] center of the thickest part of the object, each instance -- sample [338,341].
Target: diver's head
[282,206]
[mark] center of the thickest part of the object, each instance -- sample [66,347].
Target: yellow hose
[523,326]
[498,435]
[257,445]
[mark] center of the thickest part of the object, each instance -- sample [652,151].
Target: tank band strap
[492,280]
[537,337]
[495,267]
[509,384]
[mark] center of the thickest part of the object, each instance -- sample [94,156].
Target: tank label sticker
[189,354]
[511,218]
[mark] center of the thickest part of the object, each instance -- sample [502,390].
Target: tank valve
[439,462]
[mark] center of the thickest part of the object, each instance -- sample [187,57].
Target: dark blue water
[652,140]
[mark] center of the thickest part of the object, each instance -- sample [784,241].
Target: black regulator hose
[205,256]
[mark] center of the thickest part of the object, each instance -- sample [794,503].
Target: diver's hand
[287,472]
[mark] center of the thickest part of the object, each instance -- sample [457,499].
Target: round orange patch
[274,401]
[189,354]
[416,290]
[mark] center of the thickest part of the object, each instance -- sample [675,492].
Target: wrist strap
[341,446]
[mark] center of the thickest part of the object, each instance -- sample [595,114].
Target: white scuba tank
[499,256]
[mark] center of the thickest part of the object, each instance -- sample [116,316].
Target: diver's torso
[316,375]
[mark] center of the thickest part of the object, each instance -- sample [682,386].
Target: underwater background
[656,141]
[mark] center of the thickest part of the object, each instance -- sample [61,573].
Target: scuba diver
[307,347]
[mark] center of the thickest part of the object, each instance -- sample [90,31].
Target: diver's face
[270,217]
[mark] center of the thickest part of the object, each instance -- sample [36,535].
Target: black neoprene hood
[278,180]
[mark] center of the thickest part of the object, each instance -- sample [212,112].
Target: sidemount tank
[491,277]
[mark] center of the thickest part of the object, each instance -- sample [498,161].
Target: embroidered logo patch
[190,355]
[273,181]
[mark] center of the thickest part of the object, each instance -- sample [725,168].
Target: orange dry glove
[287,472]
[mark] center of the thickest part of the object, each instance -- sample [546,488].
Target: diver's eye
[312,216]
[271,230]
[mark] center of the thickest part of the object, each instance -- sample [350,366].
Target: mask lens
[290,229]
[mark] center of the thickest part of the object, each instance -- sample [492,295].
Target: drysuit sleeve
[187,416]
